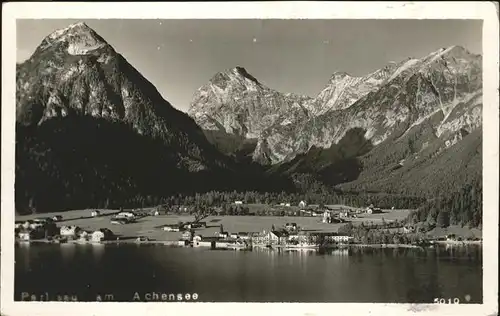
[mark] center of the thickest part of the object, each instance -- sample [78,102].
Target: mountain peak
[455,51]
[241,71]
[78,37]
[338,75]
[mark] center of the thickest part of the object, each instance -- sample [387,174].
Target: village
[298,226]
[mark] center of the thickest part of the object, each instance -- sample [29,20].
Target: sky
[298,56]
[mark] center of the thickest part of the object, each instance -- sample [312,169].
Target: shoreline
[223,245]
[386,246]
[457,242]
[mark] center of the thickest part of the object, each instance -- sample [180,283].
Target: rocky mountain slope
[234,102]
[75,72]
[424,126]
[404,128]
[92,130]
[390,100]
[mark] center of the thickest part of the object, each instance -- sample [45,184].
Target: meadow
[150,226]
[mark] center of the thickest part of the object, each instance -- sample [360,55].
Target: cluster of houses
[78,234]
[302,204]
[125,217]
[290,235]
[341,215]
[300,238]
[37,228]
[184,226]
[373,210]
[45,228]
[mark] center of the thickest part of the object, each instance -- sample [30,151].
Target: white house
[141,239]
[35,225]
[451,237]
[95,213]
[344,214]
[338,238]
[69,231]
[126,214]
[186,235]
[223,234]
[373,210]
[302,204]
[25,235]
[269,238]
[276,237]
[233,235]
[119,221]
[238,202]
[171,228]
[287,204]
[42,219]
[326,217]
[303,239]
[196,240]
[97,236]
[84,235]
[243,235]
[408,229]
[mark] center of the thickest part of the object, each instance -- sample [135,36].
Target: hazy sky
[178,56]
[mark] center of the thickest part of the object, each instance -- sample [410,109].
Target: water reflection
[97,252]
[68,252]
[25,257]
[305,275]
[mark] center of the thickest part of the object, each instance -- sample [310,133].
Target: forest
[463,208]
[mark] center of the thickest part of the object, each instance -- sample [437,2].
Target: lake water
[370,275]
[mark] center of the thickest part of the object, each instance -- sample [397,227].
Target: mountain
[234,102]
[91,130]
[393,98]
[343,90]
[386,131]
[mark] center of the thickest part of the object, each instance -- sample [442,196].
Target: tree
[443,219]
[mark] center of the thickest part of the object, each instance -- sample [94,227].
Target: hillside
[412,128]
[91,130]
[386,103]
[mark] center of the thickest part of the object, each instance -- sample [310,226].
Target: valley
[92,132]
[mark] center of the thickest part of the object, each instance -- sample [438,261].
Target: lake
[145,272]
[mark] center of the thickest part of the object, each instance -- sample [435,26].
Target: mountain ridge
[74,85]
[341,93]
[412,114]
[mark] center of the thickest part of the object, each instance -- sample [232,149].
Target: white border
[486,11]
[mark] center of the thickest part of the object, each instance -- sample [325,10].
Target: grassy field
[150,226]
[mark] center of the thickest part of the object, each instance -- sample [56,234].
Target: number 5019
[455,300]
